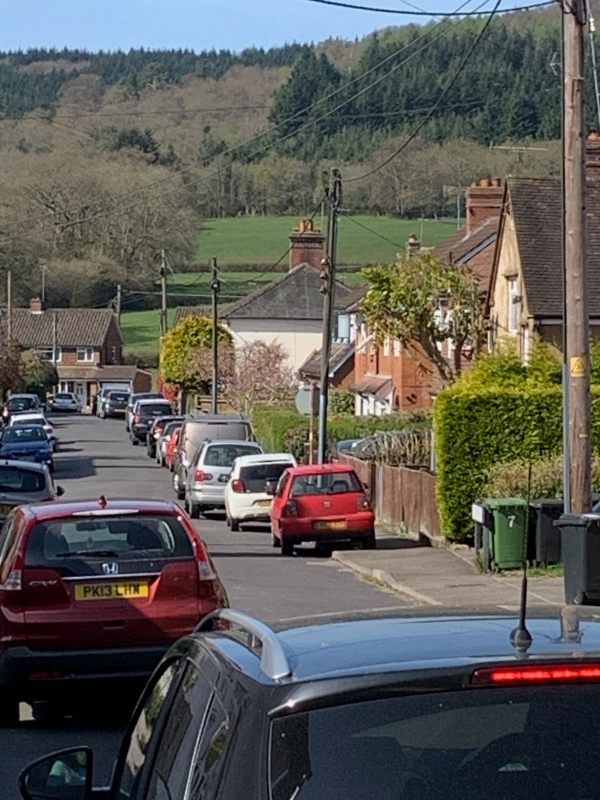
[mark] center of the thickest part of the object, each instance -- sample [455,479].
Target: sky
[196,24]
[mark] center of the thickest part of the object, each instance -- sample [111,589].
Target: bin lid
[552,502]
[496,503]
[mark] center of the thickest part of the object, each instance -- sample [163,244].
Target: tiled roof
[296,295]
[181,312]
[340,352]
[109,372]
[354,297]
[379,385]
[75,327]
[474,249]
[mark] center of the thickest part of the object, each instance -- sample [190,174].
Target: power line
[347,216]
[418,13]
[445,91]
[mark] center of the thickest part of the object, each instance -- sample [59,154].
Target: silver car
[209,471]
[22,482]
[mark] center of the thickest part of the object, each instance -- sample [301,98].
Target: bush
[410,447]
[513,479]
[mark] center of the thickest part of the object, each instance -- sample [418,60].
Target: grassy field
[263,240]
[141,330]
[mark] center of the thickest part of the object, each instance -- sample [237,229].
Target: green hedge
[478,428]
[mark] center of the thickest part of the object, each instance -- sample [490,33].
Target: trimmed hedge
[478,428]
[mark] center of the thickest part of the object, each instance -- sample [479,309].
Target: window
[85,354]
[397,347]
[210,752]
[45,354]
[513,305]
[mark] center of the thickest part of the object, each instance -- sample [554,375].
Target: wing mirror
[270,489]
[66,773]
[59,491]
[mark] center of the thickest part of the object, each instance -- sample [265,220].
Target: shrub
[513,480]
[341,401]
[408,447]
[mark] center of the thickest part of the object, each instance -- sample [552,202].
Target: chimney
[306,245]
[592,154]
[35,305]
[484,200]
[413,245]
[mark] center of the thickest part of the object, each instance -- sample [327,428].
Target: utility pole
[334,199]
[576,316]
[163,296]
[9,306]
[215,287]
[119,303]
[43,267]
[54,336]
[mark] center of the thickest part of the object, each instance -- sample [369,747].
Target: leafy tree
[422,302]
[260,374]
[37,376]
[11,366]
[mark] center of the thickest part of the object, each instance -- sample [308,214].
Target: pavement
[446,576]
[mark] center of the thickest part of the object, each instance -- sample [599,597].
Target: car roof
[100,507]
[30,465]
[216,418]
[21,395]
[231,442]
[315,469]
[265,458]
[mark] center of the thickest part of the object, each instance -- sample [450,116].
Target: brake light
[291,508]
[14,581]
[540,674]
[362,503]
[238,485]
[137,417]
[200,476]
[205,570]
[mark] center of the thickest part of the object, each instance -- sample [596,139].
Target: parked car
[23,482]
[20,402]
[27,443]
[98,400]
[171,448]
[347,708]
[156,430]
[93,593]
[195,432]
[144,414]
[209,472]
[66,401]
[27,418]
[163,439]
[133,398]
[322,503]
[113,404]
[246,497]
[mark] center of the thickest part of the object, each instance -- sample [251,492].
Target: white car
[29,418]
[246,498]
[66,401]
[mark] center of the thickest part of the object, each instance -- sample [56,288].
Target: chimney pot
[484,200]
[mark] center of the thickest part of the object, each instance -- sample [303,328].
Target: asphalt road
[94,458]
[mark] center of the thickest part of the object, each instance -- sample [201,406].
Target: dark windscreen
[153,409]
[21,403]
[13,479]
[223,455]
[535,743]
[20,433]
[118,397]
[256,476]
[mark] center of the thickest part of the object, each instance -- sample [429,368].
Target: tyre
[177,487]
[275,542]
[287,547]
[234,524]
[370,543]
[135,441]
[194,511]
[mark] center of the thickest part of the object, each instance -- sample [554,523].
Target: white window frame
[88,355]
[512,289]
[397,347]
[45,353]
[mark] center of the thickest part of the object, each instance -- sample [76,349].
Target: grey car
[24,482]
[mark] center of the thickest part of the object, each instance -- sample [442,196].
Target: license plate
[262,503]
[334,525]
[111,591]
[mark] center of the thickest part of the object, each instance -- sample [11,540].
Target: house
[341,366]
[289,310]
[85,344]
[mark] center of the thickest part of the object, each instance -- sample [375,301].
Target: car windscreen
[325,483]
[537,743]
[80,545]
[21,403]
[223,455]
[15,479]
[170,427]
[64,397]
[255,476]
[22,433]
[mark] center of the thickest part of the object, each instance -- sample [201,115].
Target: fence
[400,496]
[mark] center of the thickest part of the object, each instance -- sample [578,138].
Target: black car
[113,404]
[379,707]
[145,412]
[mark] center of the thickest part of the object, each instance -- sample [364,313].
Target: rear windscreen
[256,476]
[80,545]
[223,455]
[152,409]
[17,480]
[325,483]
[21,403]
[119,397]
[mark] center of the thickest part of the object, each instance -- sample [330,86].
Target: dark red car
[171,449]
[95,591]
[323,503]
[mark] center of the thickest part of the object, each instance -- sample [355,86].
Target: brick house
[85,344]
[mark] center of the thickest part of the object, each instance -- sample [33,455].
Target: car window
[223,455]
[535,743]
[325,483]
[15,479]
[7,539]
[22,433]
[210,754]
[118,397]
[283,484]
[150,409]
[255,476]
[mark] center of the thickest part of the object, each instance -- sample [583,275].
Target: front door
[79,389]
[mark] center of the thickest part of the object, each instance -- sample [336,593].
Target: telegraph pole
[334,199]
[119,303]
[163,296]
[576,316]
[215,287]
[9,306]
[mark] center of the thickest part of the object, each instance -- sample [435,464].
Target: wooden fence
[400,496]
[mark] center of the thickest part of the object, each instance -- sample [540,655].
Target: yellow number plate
[111,591]
[334,525]
[263,502]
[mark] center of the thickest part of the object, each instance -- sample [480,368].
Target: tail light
[291,508]
[362,503]
[238,485]
[14,579]
[205,570]
[200,476]
[540,674]
[137,417]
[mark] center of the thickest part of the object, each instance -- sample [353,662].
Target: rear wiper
[105,553]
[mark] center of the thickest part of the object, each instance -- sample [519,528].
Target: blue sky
[197,24]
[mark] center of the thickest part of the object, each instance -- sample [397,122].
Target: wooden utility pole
[54,336]
[9,306]
[334,199]
[576,311]
[119,303]
[163,296]
[215,287]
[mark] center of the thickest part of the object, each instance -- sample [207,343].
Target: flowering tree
[259,374]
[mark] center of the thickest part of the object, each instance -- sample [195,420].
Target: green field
[264,240]
[141,330]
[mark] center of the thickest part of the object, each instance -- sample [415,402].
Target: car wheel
[195,510]
[9,712]
[287,547]
[370,543]
[234,524]
[177,487]
[135,441]
[275,542]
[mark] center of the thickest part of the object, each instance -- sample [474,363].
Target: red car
[323,504]
[93,592]
[171,449]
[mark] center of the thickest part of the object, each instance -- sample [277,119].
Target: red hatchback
[95,591]
[321,503]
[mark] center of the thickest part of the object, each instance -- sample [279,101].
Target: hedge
[283,429]
[478,428]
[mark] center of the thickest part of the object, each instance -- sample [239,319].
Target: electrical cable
[445,91]
[358,7]
[347,216]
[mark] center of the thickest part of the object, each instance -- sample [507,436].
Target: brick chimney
[484,200]
[35,305]
[306,245]
[413,245]
[592,154]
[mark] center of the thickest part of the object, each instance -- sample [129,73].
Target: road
[94,458]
